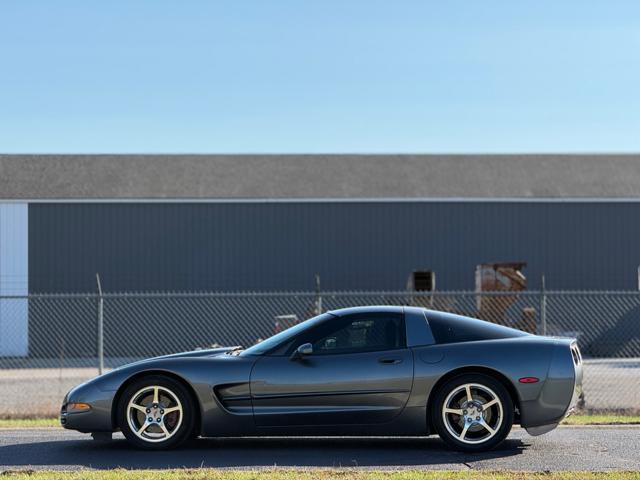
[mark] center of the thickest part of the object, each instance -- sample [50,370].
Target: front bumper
[80,421]
[97,419]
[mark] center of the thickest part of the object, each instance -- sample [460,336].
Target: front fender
[200,374]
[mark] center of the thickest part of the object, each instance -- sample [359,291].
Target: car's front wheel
[472,412]
[156,412]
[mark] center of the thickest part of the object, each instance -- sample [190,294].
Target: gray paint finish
[353,246]
[352,394]
[318,176]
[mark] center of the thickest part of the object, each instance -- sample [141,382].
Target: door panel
[371,387]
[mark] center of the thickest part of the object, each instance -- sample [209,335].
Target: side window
[359,333]
[455,330]
[447,328]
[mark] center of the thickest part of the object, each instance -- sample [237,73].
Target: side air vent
[235,398]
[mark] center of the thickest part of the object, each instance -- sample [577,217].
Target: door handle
[389,360]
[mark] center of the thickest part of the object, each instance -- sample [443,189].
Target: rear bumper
[560,394]
[541,430]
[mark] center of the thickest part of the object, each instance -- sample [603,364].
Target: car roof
[368,309]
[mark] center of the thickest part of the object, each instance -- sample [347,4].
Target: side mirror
[302,351]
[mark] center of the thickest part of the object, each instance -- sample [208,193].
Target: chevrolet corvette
[364,371]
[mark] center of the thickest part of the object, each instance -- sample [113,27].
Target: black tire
[491,415]
[184,425]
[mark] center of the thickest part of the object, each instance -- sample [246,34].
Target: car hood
[209,352]
[111,380]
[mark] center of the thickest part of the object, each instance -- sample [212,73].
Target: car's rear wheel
[156,412]
[472,412]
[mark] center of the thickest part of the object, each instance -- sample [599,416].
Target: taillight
[575,353]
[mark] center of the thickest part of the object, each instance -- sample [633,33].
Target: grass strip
[29,422]
[602,420]
[311,474]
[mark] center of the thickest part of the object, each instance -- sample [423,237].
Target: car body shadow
[250,453]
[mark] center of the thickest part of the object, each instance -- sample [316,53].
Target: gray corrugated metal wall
[366,245]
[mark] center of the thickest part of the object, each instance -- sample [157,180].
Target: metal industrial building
[272,222]
[216,223]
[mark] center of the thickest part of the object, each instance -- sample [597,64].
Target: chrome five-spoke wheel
[154,413]
[157,412]
[472,412]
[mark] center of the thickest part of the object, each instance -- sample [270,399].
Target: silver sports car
[358,371]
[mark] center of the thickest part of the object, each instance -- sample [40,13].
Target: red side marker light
[529,380]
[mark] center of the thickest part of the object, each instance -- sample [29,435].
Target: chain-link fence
[49,343]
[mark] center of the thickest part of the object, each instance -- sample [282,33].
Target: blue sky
[319,76]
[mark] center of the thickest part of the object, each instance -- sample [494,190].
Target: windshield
[285,335]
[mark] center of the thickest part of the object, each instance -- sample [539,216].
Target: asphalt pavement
[566,448]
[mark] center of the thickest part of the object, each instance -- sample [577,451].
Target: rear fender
[511,359]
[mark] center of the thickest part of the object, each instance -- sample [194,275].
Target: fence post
[543,308]
[318,296]
[100,327]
